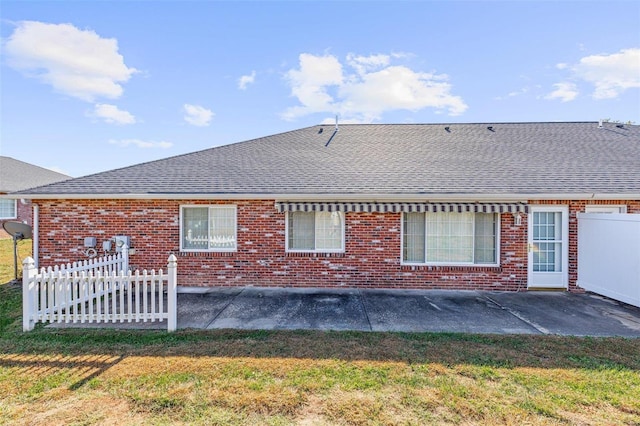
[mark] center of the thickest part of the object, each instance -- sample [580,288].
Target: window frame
[342,235]
[15,209]
[463,264]
[209,207]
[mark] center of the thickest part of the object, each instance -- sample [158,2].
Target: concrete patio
[534,312]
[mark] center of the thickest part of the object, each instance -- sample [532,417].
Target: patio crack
[231,300]
[517,314]
[364,309]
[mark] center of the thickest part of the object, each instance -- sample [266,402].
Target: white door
[548,246]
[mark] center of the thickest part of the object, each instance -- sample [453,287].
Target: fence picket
[50,283]
[66,286]
[145,298]
[161,293]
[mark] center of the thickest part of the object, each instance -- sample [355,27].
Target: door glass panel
[547,242]
[547,257]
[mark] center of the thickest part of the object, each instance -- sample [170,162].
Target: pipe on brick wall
[36,211]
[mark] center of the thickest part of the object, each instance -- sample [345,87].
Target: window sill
[314,254]
[450,268]
[206,253]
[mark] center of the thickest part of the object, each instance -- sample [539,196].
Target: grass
[230,377]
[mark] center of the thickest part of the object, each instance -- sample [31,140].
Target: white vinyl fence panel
[80,296]
[609,255]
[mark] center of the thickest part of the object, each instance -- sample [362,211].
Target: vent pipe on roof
[334,132]
[600,124]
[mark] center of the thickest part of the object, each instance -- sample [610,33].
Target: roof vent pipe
[337,123]
[600,124]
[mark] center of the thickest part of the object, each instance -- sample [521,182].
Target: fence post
[29,271]
[125,259]
[172,293]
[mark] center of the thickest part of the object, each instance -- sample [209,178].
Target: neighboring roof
[16,175]
[392,161]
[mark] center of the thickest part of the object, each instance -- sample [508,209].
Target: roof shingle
[16,175]
[424,160]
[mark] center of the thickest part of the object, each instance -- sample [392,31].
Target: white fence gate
[609,255]
[102,291]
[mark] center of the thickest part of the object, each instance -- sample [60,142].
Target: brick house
[17,175]
[458,206]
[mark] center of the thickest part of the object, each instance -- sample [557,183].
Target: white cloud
[246,80]
[332,121]
[140,143]
[562,66]
[309,84]
[364,64]
[74,62]
[610,74]
[564,91]
[112,114]
[513,94]
[197,115]
[370,86]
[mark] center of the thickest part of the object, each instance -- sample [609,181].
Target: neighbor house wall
[371,258]
[23,214]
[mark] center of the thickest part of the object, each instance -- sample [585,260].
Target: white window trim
[15,209]
[488,265]
[209,206]
[612,208]
[286,238]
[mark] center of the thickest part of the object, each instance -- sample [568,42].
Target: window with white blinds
[208,228]
[315,231]
[8,209]
[450,238]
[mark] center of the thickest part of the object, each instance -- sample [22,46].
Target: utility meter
[120,241]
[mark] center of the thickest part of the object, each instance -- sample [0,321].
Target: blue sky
[92,86]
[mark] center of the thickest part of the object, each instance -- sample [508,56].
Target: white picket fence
[100,293]
[107,264]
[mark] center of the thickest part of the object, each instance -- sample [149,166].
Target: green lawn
[231,377]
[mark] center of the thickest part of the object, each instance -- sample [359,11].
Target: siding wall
[371,259]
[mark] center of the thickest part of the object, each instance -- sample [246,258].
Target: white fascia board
[461,197]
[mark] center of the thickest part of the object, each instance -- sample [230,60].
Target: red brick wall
[371,258]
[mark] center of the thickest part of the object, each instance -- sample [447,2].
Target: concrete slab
[439,311]
[198,309]
[397,310]
[277,308]
[572,314]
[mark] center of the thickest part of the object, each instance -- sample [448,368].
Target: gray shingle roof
[16,175]
[423,160]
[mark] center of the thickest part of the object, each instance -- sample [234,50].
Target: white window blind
[450,238]
[315,231]
[209,228]
[8,209]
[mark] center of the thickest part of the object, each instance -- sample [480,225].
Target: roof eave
[382,197]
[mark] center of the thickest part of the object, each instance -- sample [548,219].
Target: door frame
[561,278]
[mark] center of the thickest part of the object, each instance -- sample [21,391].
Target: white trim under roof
[458,197]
